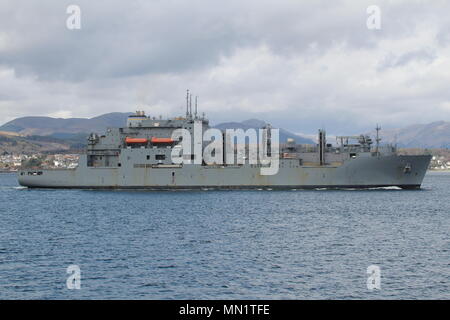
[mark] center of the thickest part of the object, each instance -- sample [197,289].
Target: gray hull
[360,172]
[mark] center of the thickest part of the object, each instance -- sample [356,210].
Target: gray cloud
[301,64]
[392,61]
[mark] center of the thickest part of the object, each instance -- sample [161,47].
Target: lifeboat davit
[135,140]
[161,140]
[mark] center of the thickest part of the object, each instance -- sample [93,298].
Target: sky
[300,65]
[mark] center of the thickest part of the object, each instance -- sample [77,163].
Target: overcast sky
[298,64]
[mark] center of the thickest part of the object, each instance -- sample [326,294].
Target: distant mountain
[77,128]
[72,132]
[432,135]
[45,126]
[13,144]
[257,124]
[254,123]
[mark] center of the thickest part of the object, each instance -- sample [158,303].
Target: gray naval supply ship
[138,156]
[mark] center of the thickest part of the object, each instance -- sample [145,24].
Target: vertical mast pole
[190,106]
[196,107]
[378,128]
[187,103]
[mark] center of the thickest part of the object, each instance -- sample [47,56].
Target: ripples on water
[225,244]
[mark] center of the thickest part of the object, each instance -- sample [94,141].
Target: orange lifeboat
[161,140]
[135,140]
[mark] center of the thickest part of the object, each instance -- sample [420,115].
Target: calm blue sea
[225,244]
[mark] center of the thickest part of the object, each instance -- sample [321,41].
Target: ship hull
[406,172]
